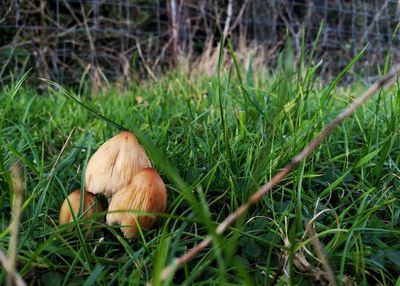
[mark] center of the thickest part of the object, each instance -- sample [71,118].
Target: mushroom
[113,165]
[72,202]
[146,193]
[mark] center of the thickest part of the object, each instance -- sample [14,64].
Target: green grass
[214,141]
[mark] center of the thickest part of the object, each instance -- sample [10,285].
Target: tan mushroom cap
[145,193]
[114,164]
[90,206]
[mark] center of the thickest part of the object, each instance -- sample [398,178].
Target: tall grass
[214,141]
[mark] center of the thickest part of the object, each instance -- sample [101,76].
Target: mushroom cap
[90,206]
[114,164]
[146,193]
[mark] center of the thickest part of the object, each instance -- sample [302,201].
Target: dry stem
[6,264]
[320,253]
[10,263]
[169,269]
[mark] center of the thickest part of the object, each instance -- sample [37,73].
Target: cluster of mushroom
[121,170]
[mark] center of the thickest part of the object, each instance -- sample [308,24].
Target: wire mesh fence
[122,40]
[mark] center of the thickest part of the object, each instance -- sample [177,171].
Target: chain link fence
[125,40]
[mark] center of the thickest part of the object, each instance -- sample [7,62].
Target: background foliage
[125,40]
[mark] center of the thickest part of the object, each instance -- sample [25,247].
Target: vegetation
[214,141]
[123,39]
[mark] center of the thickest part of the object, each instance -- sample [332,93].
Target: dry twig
[10,263]
[228,18]
[14,275]
[320,253]
[239,16]
[222,227]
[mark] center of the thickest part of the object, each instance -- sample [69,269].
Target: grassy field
[214,141]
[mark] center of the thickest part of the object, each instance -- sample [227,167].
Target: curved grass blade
[70,96]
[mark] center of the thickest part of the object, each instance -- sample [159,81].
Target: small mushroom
[72,202]
[113,165]
[146,193]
